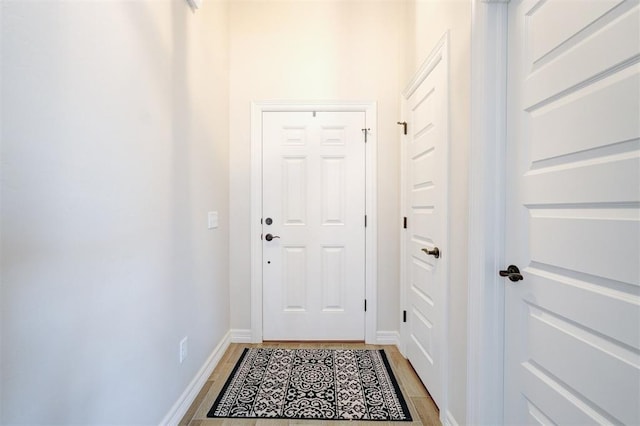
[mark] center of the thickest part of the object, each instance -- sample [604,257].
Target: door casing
[370,110]
[485,312]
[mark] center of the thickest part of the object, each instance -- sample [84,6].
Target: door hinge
[404,316]
[404,125]
[366,132]
[404,223]
[365,220]
[365,305]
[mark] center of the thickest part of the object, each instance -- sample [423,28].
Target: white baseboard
[239,335]
[388,338]
[183,403]
[449,420]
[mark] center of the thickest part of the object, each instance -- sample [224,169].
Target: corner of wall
[388,338]
[241,335]
[180,407]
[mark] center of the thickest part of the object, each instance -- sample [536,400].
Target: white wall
[316,50]
[114,147]
[427,21]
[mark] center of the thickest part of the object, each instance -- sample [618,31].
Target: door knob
[435,252]
[513,273]
[270,237]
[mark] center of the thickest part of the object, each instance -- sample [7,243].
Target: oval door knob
[435,252]
[270,237]
[513,273]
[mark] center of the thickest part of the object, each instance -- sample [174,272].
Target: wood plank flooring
[423,410]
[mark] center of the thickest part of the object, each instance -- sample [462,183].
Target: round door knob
[270,237]
[435,252]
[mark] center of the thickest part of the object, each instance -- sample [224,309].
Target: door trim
[440,53]
[485,312]
[370,110]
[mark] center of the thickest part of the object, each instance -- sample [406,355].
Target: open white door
[424,256]
[572,323]
[313,187]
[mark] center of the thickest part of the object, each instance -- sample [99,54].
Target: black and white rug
[324,384]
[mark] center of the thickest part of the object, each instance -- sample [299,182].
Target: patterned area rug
[325,384]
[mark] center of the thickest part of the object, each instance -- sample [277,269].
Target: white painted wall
[317,50]
[114,147]
[427,20]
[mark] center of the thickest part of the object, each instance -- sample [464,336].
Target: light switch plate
[212,220]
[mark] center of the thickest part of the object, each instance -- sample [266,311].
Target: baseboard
[239,335]
[183,403]
[388,338]
[449,420]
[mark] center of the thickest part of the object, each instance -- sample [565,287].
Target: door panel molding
[370,110]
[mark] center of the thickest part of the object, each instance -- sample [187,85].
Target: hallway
[126,124]
[131,232]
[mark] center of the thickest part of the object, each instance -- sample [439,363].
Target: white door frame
[370,110]
[485,315]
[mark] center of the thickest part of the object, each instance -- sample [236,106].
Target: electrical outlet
[184,348]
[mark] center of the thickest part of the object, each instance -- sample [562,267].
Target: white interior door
[314,207]
[425,177]
[572,325]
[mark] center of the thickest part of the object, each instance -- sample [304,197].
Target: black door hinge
[404,316]
[404,223]
[365,305]
[365,220]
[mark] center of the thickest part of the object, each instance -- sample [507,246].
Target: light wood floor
[423,410]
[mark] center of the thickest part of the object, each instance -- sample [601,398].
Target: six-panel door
[314,192]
